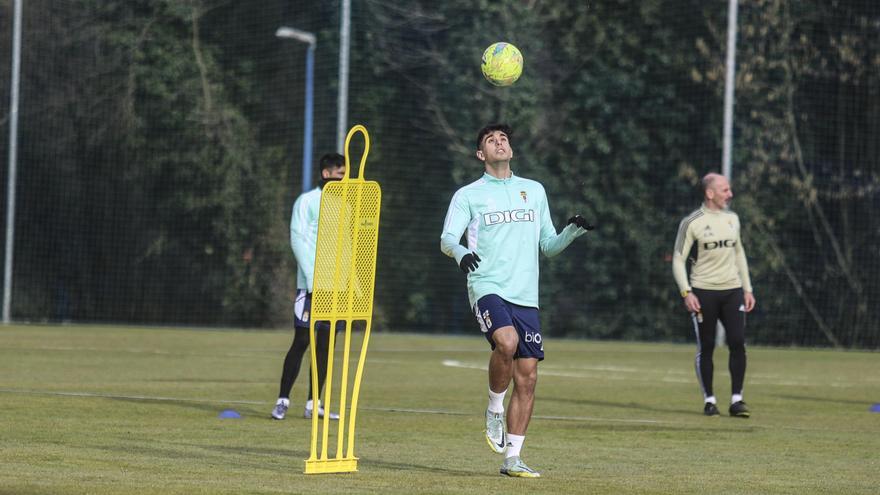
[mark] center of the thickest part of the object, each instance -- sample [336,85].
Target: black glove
[580,222]
[469,262]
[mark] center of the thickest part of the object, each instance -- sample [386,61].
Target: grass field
[130,410]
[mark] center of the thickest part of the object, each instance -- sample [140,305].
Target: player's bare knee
[505,350]
[526,382]
[506,341]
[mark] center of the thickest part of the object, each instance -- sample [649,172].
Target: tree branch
[798,287]
[810,200]
[200,61]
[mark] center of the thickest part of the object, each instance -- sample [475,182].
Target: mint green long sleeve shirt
[507,222]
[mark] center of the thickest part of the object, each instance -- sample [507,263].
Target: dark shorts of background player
[302,309]
[493,312]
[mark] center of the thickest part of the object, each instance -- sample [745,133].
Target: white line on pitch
[650,376]
[251,402]
[382,409]
[536,416]
[568,374]
[126,397]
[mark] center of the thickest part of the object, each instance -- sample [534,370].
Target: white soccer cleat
[307,411]
[495,433]
[516,468]
[280,409]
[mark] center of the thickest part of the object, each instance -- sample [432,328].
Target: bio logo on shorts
[487,319]
[533,337]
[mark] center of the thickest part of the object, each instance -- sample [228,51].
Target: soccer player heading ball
[507,219]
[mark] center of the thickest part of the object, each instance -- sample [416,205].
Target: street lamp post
[286,32]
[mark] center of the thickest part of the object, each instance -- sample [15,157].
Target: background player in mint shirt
[507,222]
[303,242]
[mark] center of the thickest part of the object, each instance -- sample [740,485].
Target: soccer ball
[502,64]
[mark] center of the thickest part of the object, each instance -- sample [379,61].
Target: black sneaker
[710,410]
[739,410]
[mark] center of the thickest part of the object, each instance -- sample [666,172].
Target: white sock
[735,398]
[309,404]
[496,401]
[514,444]
[282,400]
[711,399]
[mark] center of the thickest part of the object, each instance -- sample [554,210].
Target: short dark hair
[492,128]
[332,160]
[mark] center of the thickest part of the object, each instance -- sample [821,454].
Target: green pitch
[106,410]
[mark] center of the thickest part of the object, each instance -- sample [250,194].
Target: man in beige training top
[719,287]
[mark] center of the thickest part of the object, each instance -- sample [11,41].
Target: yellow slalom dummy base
[345,275]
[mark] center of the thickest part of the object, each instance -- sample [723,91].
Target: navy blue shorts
[302,307]
[493,313]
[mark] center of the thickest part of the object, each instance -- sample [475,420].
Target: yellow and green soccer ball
[502,64]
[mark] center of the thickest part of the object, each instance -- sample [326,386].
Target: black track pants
[728,307]
[293,360]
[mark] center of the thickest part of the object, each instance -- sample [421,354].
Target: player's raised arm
[553,243]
